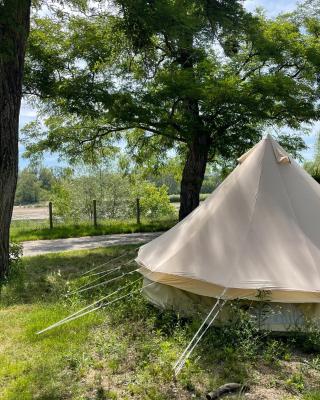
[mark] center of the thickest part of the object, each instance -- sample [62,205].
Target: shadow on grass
[48,277]
[124,351]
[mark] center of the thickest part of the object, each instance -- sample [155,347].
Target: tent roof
[259,230]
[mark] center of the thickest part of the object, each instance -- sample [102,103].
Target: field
[126,351]
[30,213]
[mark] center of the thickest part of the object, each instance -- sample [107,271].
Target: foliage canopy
[203,78]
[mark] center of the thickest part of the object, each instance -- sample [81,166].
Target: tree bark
[193,174]
[14,29]
[199,140]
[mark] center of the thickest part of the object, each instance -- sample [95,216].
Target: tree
[200,77]
[14,28]
[34,184]
[46,178]
[28,188]
[313,167]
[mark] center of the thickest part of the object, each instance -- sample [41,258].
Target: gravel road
[37,247]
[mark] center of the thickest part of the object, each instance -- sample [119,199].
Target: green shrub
[276,350]
[16,267]
[15,264]
[242,331]
[234,344]
[155,202]
[308,337]
[296,382]
[15,253]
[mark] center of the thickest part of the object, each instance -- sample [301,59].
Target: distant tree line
[72,190]
[34,185]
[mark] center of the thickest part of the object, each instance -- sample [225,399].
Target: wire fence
[97,213]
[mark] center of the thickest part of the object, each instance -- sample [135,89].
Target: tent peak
[281,155]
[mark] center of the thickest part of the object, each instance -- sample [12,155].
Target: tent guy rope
[87,286]
[86,310]
[182,362]
[109,261]
[187,352]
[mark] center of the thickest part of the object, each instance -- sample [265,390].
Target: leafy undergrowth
[126,351]
[34,230]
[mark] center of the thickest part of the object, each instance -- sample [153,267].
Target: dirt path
[37,247]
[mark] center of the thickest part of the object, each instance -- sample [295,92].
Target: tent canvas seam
[253,212]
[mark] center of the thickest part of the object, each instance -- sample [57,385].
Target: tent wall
[278,317]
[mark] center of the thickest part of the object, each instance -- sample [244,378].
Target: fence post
[50,215]
[95,224]
[138,211]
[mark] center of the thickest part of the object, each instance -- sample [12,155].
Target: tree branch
[104,131]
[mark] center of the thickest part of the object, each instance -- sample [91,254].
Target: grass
[126,351]
[37,229]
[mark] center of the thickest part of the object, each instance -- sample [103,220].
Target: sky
[272,9]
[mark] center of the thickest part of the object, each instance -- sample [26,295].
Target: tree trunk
[199,142]
[14,29]
[193,174]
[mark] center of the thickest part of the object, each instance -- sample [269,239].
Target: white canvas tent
[258,231]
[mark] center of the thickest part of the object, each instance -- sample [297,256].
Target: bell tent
[257,236]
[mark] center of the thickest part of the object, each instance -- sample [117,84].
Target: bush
[15,264]
[276,350]
[15,253]
[242,331]
[155,202]
[308,338]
